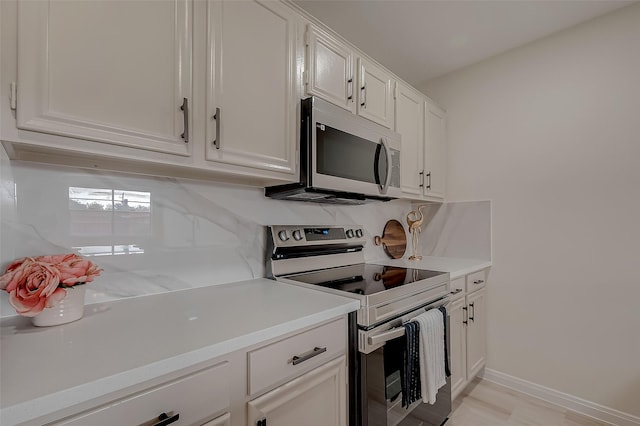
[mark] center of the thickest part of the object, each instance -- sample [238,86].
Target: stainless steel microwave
[344,158]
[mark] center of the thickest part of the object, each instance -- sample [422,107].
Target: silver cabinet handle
[363,90]
[429,184]
[421,178]
[478,282]
[473,312]
[456,291]
[185,108]
[218,119]
[350,89]
[306,356]
[465,318]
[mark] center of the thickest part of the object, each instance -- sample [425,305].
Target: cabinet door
[375,93]
[458,341]
[410,124]
[115,72]
[329,69]
[251,102]
[435,151]
[476,333]
[317,398]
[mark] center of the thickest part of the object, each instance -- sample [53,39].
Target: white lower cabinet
[467,314]
[317,398]
[297,379]
[300,380]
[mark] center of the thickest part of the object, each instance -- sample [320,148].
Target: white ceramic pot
[69,309]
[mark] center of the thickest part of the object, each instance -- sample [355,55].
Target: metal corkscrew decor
[415,220]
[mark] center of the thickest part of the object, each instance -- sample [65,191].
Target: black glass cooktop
[364,278]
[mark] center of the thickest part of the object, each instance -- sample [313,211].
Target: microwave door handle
[387,153]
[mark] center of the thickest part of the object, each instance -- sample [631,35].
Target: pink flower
[77,270]
[32,286]
[37,283]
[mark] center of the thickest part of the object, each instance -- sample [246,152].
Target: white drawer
[457,288]
[476,281]
[195,398]
[274,363]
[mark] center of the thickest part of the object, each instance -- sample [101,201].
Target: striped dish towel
[410,377]
[432,365]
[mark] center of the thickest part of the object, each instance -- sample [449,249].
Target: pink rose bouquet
[35,283]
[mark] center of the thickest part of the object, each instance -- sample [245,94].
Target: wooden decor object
[393,240]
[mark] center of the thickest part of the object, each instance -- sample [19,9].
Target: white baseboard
[561,399]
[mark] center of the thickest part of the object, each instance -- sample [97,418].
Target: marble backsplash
[461,230]
[157,234]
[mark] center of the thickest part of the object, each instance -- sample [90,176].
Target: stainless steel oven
[330,259]
[380,356]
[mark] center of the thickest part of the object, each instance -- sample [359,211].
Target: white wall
[550,132]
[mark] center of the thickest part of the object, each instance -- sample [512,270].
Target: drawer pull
[261,422]
[185,108]
[166,420]
[456,291]
[478,282]
[304,357]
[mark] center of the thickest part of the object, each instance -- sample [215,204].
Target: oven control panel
[307,235]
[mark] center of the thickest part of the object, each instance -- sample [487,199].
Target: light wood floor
[484,403]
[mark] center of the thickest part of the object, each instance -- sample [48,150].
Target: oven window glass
[347,156]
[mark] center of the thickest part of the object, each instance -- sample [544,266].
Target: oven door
[351,154]
[381,393]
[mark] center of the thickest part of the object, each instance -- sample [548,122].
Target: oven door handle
[394,333]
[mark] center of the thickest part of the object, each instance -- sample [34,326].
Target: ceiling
[422,39]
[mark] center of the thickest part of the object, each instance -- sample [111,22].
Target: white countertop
[456,267]
[119,344]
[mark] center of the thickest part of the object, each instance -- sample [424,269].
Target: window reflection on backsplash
[109,250]
[109,212]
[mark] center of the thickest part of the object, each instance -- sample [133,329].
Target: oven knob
[349,233]
[297,235]
[283,235]
[359,233]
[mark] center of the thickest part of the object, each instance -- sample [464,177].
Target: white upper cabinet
[422,126]
[330,69]
[114,72]
[409,123]
[434,151]
[251,103]
[375,93]
[330,75]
